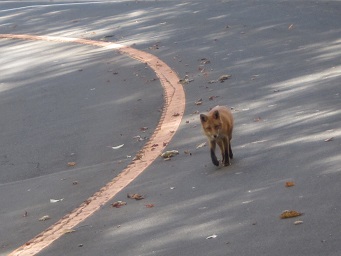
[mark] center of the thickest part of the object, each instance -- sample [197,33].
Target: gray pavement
[284,58]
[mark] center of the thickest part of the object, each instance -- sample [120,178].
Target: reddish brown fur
[218,126]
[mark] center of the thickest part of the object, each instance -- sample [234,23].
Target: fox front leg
[213,156]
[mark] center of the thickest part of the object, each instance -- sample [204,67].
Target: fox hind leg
[230,150]
[226,152]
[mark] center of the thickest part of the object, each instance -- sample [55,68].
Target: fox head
[211,124]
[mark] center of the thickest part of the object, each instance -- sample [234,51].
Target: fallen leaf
[118,204]
[176,114]
[298,222]
[222,78]
[135,196]
[329,139]
[291,26]
[289,184]
[212,236]
[46,217]
[185,80]
[117,147]
[169,153]
[70,164]
[143,129]
[149,205]
[290,214]
[68,231]
[258,119]
[198,102]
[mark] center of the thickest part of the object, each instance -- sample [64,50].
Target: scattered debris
[149,205]
[169,153]
[290,26]
[44,218]
[290,214]
[258,119]
[204,61]
[213,97]
[139,138]
[298,222]
[135,196]
[56,200]
[116,147]
[143,129]
[289,184]
[118,204]
[212,236]
[176,114]
[25,214]
[201,145]
[154,47]
[75,182]
[329,139]
[221,79]
[187,152]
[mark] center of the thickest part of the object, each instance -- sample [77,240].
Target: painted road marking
[169,122]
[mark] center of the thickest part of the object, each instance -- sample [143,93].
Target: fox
[217,125]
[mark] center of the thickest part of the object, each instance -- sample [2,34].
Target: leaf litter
[118,204]
[135,196]
[290,214]
[169,153]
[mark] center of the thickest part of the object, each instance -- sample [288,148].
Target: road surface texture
[63,103]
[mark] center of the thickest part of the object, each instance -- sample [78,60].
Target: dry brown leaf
[222,78]
[135,196]
[149,205]
[70,164]
[289,184]
[118,204]
[290,214]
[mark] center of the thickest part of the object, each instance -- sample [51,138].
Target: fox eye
[208,128]
[217,127]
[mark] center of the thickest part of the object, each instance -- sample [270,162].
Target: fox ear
[216,114]
[203,118]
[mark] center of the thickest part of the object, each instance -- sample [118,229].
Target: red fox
[218,126]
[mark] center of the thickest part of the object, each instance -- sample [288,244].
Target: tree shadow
[285,93]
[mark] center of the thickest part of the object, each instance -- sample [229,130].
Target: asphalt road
[59,103]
